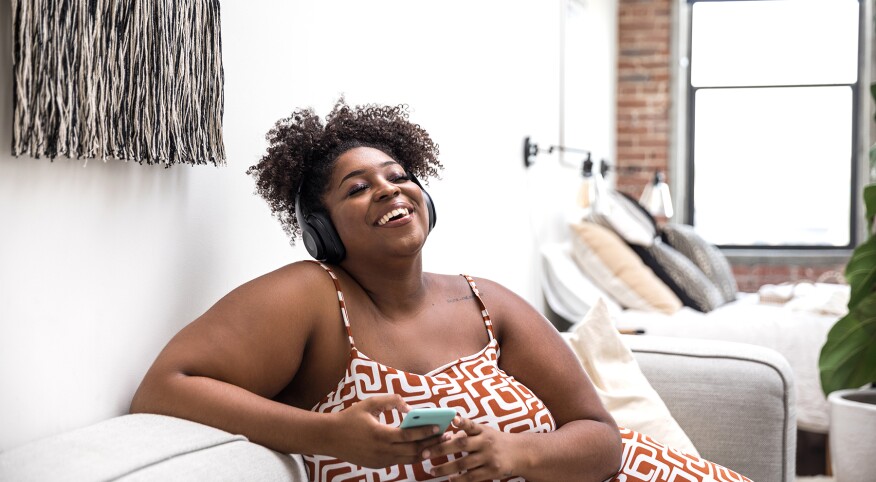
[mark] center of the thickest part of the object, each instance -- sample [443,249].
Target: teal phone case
[429,416]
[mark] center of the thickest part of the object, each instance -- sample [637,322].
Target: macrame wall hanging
[137,80]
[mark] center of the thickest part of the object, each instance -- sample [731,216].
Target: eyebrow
[359,172]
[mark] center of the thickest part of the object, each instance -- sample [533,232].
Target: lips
[397,213]
[394,214]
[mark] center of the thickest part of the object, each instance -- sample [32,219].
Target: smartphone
[429,416]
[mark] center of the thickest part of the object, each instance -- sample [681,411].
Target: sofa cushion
[683,277]
[706,256]
[612,266]
[621,386]
[124,446]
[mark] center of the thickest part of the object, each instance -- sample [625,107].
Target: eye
[356,189]
[399,178]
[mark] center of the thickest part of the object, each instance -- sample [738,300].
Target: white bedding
[796,329]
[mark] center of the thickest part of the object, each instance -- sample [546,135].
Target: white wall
[100,264]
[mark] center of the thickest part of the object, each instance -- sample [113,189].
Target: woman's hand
[487,454]
[364,440]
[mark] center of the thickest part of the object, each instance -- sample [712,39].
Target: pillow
[567,290]
[681,276]
[707,257]
[623,216]
[615,269]
[620,383]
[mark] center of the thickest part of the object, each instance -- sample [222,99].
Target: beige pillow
[615,268]
[620,383]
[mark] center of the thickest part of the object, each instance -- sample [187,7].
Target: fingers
[467,425]
[382,403]
[455,443]
[414,434]
[467,466]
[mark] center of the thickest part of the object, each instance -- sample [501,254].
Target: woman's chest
[435,337]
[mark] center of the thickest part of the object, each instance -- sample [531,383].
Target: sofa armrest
[735,401]
[148,447]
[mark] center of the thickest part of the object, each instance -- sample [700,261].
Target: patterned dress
[479,390]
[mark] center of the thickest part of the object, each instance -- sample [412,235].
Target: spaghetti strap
[341,303]
[484,313]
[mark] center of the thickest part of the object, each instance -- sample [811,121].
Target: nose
[386,189]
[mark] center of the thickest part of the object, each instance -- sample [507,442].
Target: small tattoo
[462,298]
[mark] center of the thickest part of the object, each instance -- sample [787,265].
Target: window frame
[688,121]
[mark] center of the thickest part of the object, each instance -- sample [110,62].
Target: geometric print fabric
[644,459]
[479,390]
[473,385]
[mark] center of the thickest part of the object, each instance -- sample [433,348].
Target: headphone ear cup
[427,199]
[329,248]
[319,235]
[430,206]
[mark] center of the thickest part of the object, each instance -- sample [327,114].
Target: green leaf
[848,358]
[870,200]
[861,271]
[873,95]
[873,154]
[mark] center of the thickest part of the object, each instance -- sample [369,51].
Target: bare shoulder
[509,312]
[290,281]
[255,336]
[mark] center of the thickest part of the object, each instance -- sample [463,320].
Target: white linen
[797,334]
[797,329]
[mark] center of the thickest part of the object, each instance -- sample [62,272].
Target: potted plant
[848,359]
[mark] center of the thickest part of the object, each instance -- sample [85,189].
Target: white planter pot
[853,434]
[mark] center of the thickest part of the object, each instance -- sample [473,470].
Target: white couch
[734,401]
[797,330]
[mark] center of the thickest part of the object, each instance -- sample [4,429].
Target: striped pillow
[706,256]
[683,277]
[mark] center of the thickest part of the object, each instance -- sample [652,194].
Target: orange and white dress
[479,390]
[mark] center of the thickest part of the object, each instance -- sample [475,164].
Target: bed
[797,329]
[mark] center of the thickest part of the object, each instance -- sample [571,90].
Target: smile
[393,215]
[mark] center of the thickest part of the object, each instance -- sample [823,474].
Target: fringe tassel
[138,80]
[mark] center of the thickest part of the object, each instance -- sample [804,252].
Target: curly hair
[303,150]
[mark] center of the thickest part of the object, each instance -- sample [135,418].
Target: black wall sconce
[531,150]
[655,198]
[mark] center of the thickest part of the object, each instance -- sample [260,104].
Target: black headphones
[320,236]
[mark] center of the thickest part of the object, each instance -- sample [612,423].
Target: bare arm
[586,445]
[225,367]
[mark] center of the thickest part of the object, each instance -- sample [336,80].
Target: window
[772,109]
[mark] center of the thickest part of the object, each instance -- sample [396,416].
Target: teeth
[395,212]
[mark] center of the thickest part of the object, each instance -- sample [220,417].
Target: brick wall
[643,87]
[750,277]
[643,122]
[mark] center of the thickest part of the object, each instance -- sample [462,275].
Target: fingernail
[434,429]
[426,455]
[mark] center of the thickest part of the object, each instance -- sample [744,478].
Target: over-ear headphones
[320,236]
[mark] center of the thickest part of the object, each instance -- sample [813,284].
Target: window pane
[773,165]
[784,42]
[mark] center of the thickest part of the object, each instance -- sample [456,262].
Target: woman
[325,358]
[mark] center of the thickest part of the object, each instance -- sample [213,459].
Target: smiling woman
[325,358]
[300,144]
